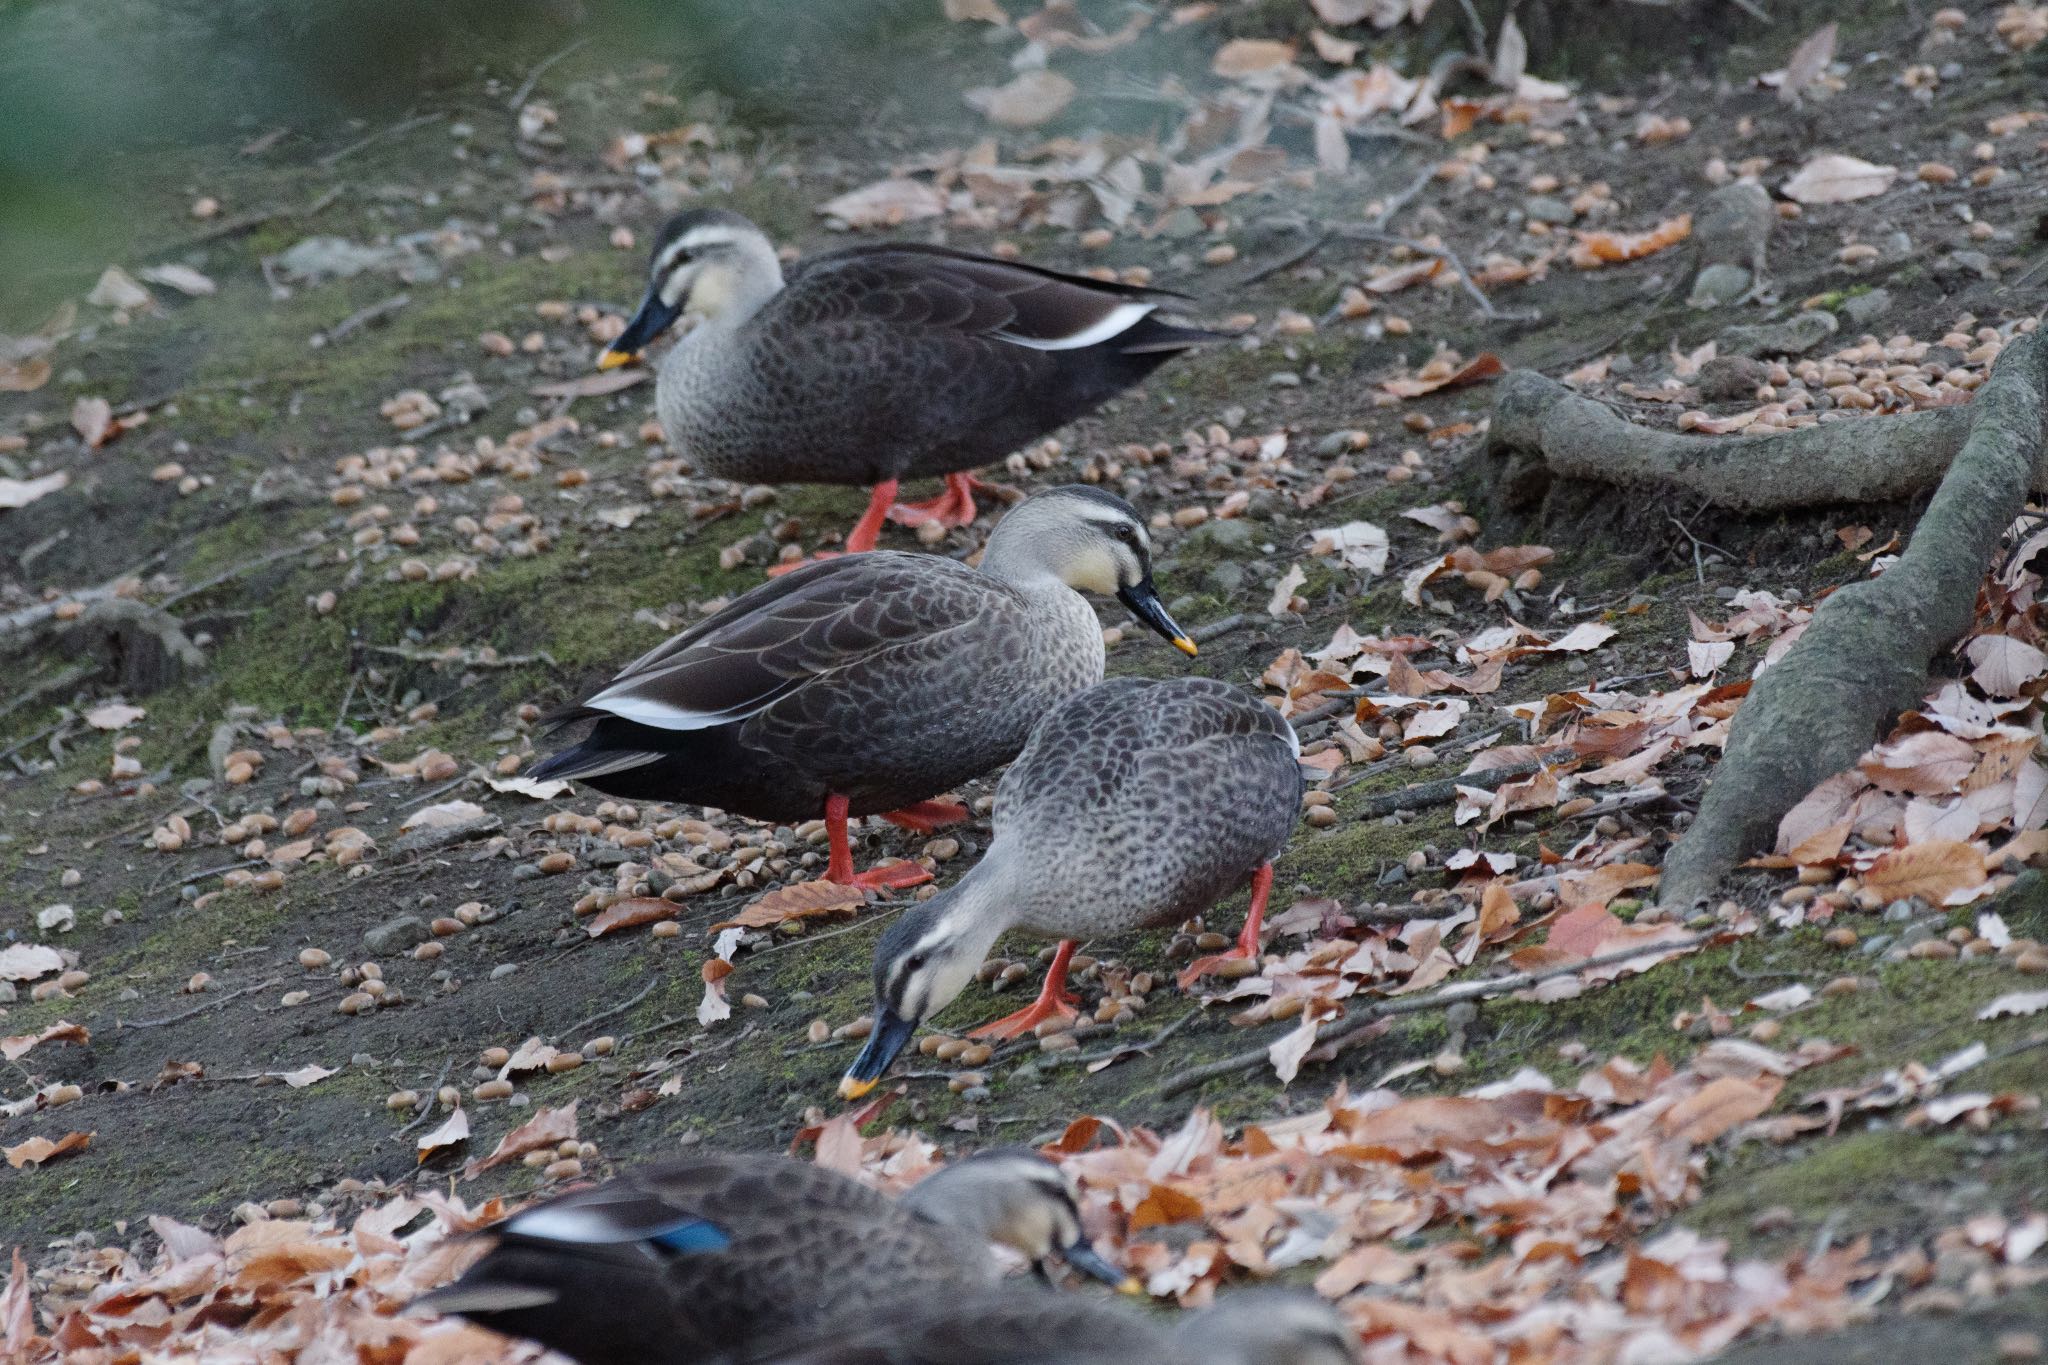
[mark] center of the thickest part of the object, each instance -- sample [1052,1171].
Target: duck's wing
[981,297]
[810,624]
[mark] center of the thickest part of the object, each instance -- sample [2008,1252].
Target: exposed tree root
[1865,656]
[1542,431]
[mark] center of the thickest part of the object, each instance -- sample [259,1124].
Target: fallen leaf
[1164,1205]
[1396,278]
[2003,666]
[1281,603]
[547,1128]
[714,1007]
[1831,178]
[1484,366]
[1707,1114]
[1510,55]
[36,1151]
[1250,58]
[2016,1002]
[1334,50]
[1592,250]
[15,493]
[27,961]
[304,1076]
[443,815]
[526,786]
[60,1032]
[630,913]
[977,11]
[116,288]
[594,385]
[1031,98]
[803,900]
[1940,872]
[113,715]
[454,1130]
[1360,544]
[182,278]
[93,420]
[1784,998]
[886,203]
[1809,61]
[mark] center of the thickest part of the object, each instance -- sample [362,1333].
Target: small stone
[1794,336]
[1545,208]
[2019,1346]
[1864,309]
[396,936]
[1719,285]
[1419,756]
[1731,379]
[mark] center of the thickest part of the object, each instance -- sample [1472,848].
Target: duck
[709,1256]
[1250,1327]
[1135,803]
[879,363]
[869,684]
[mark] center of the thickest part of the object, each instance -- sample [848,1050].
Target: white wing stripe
[1117,321]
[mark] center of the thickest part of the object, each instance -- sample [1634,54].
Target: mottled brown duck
[871,683]
[721,1254]
[875,364]
[1135,803]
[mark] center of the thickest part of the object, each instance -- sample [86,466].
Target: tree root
[1542,431]
[1866,654]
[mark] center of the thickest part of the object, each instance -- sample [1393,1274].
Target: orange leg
[926,816]
[1248,941]
[840,867]
[954,507]
[1054,1001]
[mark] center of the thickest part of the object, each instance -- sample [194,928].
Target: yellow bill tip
[852,1087]
[1131,1285]
[1185,646]
[611,360]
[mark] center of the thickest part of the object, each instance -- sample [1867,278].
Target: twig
[1475,29]
[540,69]
[426,1109]
[1752,9]
[1402,199]
[1216,630]
[199,1009]
[1286,262]
[247,566]
[404,126]
[1442,791]
[1143,1048]
[615,1010]
[362,317]
[1448,257]
[463,657]
[1336,1037]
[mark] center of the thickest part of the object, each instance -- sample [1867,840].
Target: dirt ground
[188,1086]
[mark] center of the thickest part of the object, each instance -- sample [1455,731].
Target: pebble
[1419,756]
[503,970]
[1321,817]
[493,1090]
[395,936]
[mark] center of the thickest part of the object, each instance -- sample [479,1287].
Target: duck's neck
[990,900]
[726,297]
[1018,558]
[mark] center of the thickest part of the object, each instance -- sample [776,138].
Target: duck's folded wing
[817,621]
[974,296]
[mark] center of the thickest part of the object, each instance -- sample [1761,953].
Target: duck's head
[1090,540]
[1014,1196]
[710,262]
[1269,1327]
[923,962]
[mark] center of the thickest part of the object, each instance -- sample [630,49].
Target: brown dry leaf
[2003,666]
[1394,279]
[1831,178]
[93,420]
[714,1006]
[15,493]
[804,900]
[38,1150]
[1334,50]
[1808,63]
[630,913]
[60,1032]
[1164,1205]
[114,715]
[1927,763]
[595,385]
[886,203]
[1940,872]
[1592,250]
[454,1130]
[1032,98]
[1483,366]
[17,1313]
[1249,58]
[547,1128]
[1724,1103]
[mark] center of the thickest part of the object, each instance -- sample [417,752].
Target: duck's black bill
[656,316]
[1143,600]
[888,1037]
[1083,1258]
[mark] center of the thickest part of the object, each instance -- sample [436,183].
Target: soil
[239,398]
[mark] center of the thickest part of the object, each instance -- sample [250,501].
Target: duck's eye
[915,962]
